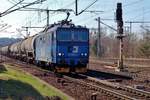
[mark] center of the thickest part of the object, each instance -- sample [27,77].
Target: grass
[17,83]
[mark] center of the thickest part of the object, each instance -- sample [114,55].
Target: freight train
[62,47]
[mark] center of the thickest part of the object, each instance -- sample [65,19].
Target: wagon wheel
[53,68]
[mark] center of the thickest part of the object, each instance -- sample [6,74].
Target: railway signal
[120,36]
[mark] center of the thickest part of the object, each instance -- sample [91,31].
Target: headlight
[82,54]
[59,54]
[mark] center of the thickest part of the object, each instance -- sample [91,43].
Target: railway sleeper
[140,94]
[104,90]
[58,80]
[137,93]
[108,93]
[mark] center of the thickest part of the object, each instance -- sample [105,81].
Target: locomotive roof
[62,24]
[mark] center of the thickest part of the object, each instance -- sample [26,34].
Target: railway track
[101,89]
[139,94]
[117,91]
[110,90]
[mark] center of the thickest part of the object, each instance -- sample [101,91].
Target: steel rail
[101,89]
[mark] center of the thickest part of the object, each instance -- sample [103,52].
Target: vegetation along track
[68,86]
[103,90]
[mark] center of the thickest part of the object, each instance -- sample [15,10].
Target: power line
[139,15]
[145,28]
[12,7]
[131,22]
[67,5]
[11,2]
[48,11]
[8,26]
[126,5]
[129,4]
[32,19]
[137,21]
[8,12]
[85,11]
[108,26]
[76,7]
[132,3]
[27,29]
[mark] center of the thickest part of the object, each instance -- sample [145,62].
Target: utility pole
[99,42]
[47,12]
[99,38]
[76,7]
[130,27]
[120,36]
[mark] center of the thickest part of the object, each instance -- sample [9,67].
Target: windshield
[72,35]
[80,35]
[64,35]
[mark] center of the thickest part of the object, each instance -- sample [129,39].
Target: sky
[133,10]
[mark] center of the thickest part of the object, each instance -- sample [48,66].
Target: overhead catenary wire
[11,7]
[32,19]
[11,2]
[129,4]
[54,14]
[7,12]
[67,5]
[84,8]
[126,5]
[132,3]
[91,17]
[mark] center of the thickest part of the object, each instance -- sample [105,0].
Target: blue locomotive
[63,47]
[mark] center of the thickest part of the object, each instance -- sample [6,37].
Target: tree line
[136,45]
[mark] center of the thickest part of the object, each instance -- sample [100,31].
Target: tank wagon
[28,49]
[14,49]
[63,47]
[4,50]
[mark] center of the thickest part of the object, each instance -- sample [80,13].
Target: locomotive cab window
[72,35]
[80,35]
[64,35]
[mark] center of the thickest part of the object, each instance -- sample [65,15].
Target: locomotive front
[72,49]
